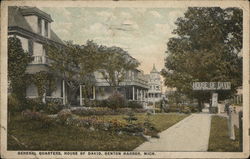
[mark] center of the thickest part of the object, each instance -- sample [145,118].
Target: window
[39,25]
[46,29]
[30,45]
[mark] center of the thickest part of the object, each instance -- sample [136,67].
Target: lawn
[219,140]
[59,137]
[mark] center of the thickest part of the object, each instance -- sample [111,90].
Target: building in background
[155,86]
[133,87]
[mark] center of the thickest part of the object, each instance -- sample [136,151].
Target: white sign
[211,85]
[215,100]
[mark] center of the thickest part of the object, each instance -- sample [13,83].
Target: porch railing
[39,60]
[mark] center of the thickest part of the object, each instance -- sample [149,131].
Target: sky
[142,32]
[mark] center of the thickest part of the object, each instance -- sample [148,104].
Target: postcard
[125,79]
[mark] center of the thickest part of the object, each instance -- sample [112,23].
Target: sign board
[215,100]
[211,85]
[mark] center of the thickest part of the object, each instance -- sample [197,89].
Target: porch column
[44,97]
[80,95]
[137,94]
[133,93]
[144,95]
[141,95]
[64,97]
[93,92]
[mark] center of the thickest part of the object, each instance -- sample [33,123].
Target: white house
[33,27]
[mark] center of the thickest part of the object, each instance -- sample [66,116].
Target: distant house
[33,27]
[155,86]
[133,87]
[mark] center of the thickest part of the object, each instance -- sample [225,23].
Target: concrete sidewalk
[190,134]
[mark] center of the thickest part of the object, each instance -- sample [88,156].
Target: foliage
[44,82]
[130,117]
[206,48]
[70,138]
[116,100]
[134,104]
[104,111]
[31,115]
[93,111]
[149,127]
[182,109]
[13,104]
[63,115]
[64,61]
[53,107]
[116,62]
[35,104]
[18,61]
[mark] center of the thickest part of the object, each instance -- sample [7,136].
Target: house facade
[133,87]
[155,86]
[33,27]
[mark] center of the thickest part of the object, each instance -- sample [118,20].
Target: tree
[44,82]
[116,63]
[76,64]
[206,48]
[18,61]
[64,63]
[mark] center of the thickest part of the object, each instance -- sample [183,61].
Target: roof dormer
[38,20]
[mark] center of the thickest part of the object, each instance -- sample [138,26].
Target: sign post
[212,87]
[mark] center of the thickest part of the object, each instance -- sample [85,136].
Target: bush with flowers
[105,111]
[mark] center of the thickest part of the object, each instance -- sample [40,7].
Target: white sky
[143,32]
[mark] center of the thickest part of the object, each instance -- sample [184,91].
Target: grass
[64,138]
[219,140]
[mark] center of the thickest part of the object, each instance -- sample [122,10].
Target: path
[190,134]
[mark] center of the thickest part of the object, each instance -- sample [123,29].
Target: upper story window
[46,28]
[39,25]
[30,46]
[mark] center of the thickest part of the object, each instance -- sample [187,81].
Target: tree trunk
[200,105]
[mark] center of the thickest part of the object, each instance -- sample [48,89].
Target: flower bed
[104,111]
[95,123]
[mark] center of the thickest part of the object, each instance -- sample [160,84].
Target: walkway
[190,134]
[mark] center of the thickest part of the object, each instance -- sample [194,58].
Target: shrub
[116,100]
[93,111]
[46,121]
[103,103]
[31,115]
[173,109]
[35,104]
[185,110]
[53,107]
[105,111]
[134,104]
[13,104]
[63,115]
